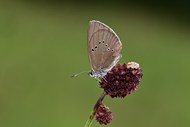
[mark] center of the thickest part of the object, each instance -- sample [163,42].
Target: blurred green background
[42,43]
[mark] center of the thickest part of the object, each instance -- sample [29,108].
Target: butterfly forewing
[103,46]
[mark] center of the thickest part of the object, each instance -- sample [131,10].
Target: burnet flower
[103,114]
[122,80]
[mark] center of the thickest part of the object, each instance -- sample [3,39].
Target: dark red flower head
[103,115]
[122,79]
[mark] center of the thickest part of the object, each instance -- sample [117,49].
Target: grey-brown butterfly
[104,48]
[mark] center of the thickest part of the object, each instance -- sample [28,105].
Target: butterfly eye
[91,74]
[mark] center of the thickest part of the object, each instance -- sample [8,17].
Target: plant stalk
[96,106]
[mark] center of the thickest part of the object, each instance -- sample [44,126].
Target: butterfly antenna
[75,75]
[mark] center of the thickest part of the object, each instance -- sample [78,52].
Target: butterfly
[104,48]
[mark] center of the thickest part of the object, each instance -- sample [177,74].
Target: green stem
[96,106]
[89,121]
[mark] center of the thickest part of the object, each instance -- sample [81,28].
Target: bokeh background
[42,43]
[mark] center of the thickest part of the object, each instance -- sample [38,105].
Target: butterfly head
[95,75]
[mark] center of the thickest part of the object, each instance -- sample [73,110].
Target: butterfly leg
[97,79]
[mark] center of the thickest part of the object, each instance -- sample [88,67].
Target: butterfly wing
[103,46]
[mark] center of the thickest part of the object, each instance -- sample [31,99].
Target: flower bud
[103,115]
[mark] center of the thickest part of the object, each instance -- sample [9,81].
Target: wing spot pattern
[92,50]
